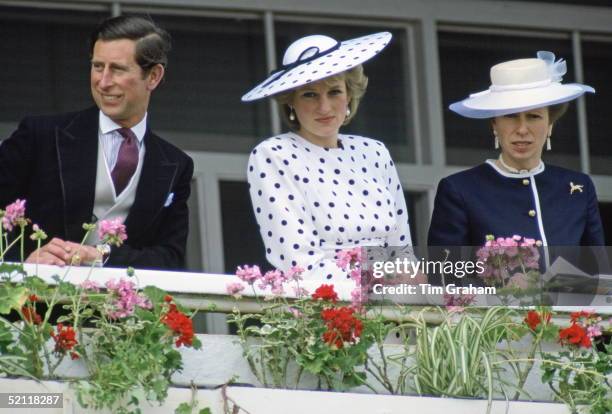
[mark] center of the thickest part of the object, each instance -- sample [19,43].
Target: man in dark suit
[104,162]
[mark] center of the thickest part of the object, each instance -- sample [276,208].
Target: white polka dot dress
[311,201]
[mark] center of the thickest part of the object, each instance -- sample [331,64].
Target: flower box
[273,401]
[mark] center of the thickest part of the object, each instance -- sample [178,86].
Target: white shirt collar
[107,125]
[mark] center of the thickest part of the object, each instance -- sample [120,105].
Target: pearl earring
[348,112]
[291,114]
[496,139]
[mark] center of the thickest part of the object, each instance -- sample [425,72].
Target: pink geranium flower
[502,255]
[234,288]
[112,232]
[125,298]
[355,274]
[345,258]
[274,279]
[457,303]
[90,285]
[359,296]
[519,281]
[294,273]
[248,274]
[300,292]
[593,331]
[14,214]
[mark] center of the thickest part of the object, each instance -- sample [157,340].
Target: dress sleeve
[285,221]
[401,236]
[449,221]
[593,232]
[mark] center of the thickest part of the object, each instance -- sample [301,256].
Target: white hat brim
[349,54]
[489,104]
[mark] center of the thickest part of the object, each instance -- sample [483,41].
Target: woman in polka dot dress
[314,190]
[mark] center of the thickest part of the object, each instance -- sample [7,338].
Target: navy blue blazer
[51,162]
[541,205]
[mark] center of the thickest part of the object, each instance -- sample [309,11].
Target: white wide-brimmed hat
[315,57]
[521,85]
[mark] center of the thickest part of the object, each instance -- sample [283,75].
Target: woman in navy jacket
[517,193]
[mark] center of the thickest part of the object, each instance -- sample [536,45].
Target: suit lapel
[77,152]
[156,181]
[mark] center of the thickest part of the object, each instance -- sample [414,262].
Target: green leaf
[66,288]
[11,297]
[9,269]
[183,408]
[155,295]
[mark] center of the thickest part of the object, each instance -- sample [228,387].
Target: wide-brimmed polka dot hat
[521,85]
[316,57]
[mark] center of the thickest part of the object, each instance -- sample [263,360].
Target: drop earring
[348,112]
[548,146]
[496,139]
[291,114]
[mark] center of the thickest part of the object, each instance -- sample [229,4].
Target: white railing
[206,291]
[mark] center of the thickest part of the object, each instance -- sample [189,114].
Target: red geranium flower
[333,339]
[30,315]
[575,335]
[180,324]
[575,316]
[65,338]
[342,326]
[325,292]
[533,318]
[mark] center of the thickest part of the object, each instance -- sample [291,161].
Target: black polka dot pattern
[339,60]
[305,221]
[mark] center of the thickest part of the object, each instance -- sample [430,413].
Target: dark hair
[556,111]
[152,42]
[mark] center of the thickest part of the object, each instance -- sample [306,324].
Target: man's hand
[61,252]
[56,252]
[85,255]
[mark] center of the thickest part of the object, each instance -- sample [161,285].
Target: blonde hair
[356,84]
[556,111]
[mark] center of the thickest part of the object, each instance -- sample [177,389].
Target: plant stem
[382,372]
[8,247]
[22,241]
[38,241]
[382,381]
[524,374]
[263,367]
[299,376]
[1,243]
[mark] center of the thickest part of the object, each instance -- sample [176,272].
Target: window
[597,58]
[465,60]
[418,215]
[193,254]
[605,211]
[44,55]
[242,242]
[214,62]
[383,113]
